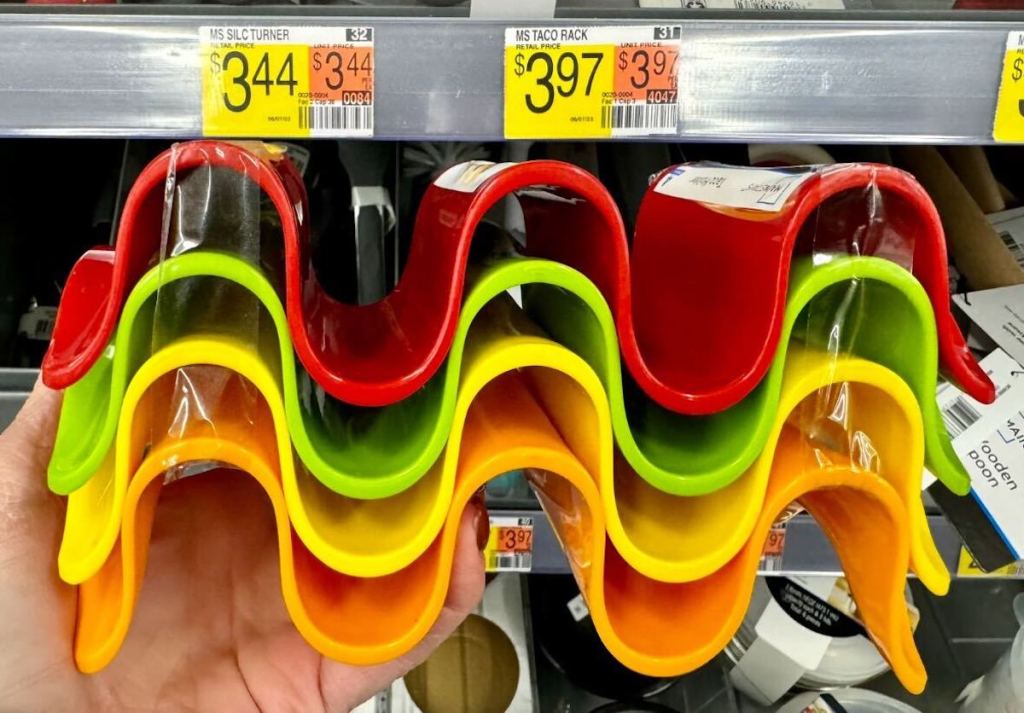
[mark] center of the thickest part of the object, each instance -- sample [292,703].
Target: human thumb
[26,444]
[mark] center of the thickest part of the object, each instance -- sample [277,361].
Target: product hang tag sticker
[1009,119]
[287,81]
[591,82]
[469,176]
[762,189]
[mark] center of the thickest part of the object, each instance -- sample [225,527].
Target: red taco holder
[729,272]
[370,355]
[100,281]
[697,334]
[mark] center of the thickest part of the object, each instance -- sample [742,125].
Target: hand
[210,631]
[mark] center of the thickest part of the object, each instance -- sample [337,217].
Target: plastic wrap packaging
[210,208]
[615,519]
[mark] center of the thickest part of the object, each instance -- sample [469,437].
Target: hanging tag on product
[510,545]
[763,189]
[286,81]
[467,177]
[591,82]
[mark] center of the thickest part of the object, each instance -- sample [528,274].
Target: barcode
[1015,248]
[959,416]
[640,117]
[770,563]
[326,117]
[506,562]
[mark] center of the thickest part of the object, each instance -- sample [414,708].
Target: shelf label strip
[286,81]
[591,82]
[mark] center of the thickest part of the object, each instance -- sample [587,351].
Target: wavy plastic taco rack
[365,579]
[360,537]
[380,453]
[695,326]
[656,628]
[663,536]
[736,261]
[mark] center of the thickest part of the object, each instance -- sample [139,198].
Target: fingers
[343,687]
[26,444]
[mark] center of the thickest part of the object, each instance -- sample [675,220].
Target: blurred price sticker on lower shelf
[286,81]
[1009,119]
[771,556]
[510,544]
[591,82]
[967,566]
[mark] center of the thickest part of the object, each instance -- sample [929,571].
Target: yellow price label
[591,82]
[967,566]
[510,544]
[281,82]
[1009,120]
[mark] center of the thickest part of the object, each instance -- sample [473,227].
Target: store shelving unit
[911,77]
[915,73]
[928,77]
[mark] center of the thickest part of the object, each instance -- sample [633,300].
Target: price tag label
[287,82]
[510,545]
[967,566]
[1009,121]
[774,546]
[591,82]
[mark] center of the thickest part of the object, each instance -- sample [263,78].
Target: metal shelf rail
[840,77]
[806,551]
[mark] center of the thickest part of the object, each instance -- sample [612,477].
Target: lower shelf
[806,549]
